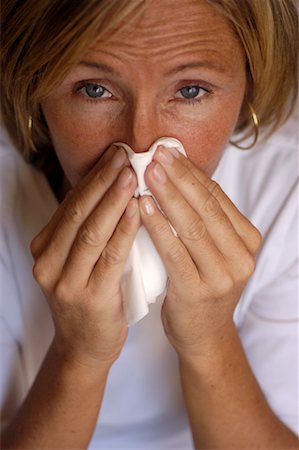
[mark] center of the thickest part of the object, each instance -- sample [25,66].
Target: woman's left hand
[210,261]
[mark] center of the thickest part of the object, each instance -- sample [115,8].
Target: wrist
[213,352]
[69,360]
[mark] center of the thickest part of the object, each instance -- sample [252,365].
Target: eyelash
[190,101]
[194,101]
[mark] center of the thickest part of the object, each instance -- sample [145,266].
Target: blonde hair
[43,39]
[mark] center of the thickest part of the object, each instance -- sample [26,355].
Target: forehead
[171,31]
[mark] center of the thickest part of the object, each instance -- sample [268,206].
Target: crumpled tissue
[144,279]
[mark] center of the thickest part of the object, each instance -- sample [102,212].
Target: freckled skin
[144,104]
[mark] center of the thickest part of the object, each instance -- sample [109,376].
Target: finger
[107,273]
[244,228]
[206,202]
[41,240]
[179,265]
[79,207]
[191,229]
[96,231]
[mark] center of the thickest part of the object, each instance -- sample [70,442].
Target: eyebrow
[102,67]
[198,65]
[213,65]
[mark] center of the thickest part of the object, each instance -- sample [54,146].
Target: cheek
[205,129]
[211,141]
[78,143]
[206,138]
[80,136]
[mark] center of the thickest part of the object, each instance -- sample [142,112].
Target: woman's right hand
[80,257]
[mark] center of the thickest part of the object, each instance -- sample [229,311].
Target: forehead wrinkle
[184,24]
[156,40]
[209,58]
[172,42]
[163,49]
[175,49]
[196,18]
[110,53]
[158,14]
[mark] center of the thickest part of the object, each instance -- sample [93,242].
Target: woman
[78,77]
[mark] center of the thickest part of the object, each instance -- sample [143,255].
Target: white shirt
[143,406]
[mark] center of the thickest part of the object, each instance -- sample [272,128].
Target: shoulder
[8,171]
[26,199]
[26,204]
[260,181]
[9,188]
[263,184]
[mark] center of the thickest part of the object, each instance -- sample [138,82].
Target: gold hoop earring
[256,130]
[30,125]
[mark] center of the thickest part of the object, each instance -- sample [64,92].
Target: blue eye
[94,90]
[190,92]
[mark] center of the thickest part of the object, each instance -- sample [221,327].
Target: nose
[143,126]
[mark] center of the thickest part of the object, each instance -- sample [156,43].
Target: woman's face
[179,72]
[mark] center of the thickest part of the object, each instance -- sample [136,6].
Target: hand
[210,261]
[79,259]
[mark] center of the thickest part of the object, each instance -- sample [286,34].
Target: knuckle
[257,239]
[35,246]
[88,236]
[101,178]
[74,212]
[124,230]
[161,228]
[183,173]
[212,206]
[69,196]
[111,256]
[195,230]
[225,285]
[38,272]
[248,266]
[187,275]
[214,188]
[61,291]
[176,254]
[41,274]
[112,197]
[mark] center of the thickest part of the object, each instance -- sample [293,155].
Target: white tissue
[144,278]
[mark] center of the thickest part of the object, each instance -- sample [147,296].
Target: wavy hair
[42,40]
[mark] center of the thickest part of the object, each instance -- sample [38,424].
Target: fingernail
[164,155]
[159,173]
[125,178]
[147,206]
[119,159]
[131,208]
